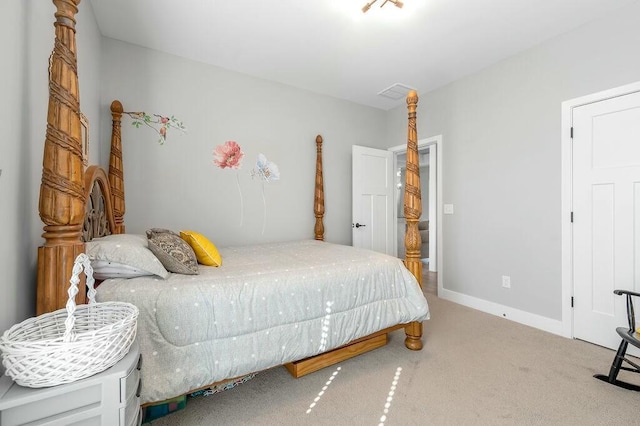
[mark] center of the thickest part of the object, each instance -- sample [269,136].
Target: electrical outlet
[506,281]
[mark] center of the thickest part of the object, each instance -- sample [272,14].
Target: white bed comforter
[265,306]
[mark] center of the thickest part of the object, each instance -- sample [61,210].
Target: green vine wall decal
[159,123]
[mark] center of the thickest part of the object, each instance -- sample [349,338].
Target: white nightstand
[109,398]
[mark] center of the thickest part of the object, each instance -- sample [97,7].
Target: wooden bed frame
[77,204]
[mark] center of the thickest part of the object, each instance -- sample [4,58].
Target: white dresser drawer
[129,385]
[130,415]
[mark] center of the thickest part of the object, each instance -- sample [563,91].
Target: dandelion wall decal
[157,122]
[267,171]
[229,156]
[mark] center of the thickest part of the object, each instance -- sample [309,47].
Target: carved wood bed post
[413,211]
[318,205]
[62,199]
[116,168]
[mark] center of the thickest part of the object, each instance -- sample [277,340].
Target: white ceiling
[331,47]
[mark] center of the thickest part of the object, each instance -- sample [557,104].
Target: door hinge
[572,301]
[571,132]
[571,217]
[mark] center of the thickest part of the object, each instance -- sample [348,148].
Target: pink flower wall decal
[228,155]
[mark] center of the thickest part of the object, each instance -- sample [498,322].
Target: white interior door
[606,207]
[372,210]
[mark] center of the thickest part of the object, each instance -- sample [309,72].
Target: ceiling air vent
[396,91]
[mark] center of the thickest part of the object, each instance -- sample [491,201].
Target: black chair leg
[617,361]
[616,365]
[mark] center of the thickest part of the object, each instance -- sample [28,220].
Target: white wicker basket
[69,344]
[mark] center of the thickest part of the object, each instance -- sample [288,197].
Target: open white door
[606,207]
[373,202]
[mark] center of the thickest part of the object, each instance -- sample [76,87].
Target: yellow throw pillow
[206,252]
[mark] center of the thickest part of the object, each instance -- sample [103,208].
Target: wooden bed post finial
[413,211]
[62,199]
[116,168]
[65,14]
[318,204]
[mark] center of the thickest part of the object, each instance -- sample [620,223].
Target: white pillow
[104,269]
[127,251]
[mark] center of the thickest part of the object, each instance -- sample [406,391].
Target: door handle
[357,225]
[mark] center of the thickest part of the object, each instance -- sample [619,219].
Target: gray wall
[29,31]
[177,186]
[17,242]
[501,147]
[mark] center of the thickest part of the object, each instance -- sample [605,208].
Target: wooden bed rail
[62,197]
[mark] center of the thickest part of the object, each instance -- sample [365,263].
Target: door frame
[424,143]
[567,193]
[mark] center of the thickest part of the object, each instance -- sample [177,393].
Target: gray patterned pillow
[173,252]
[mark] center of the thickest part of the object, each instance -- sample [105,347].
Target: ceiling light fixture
[367,6]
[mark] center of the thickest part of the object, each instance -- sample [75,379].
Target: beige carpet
[475,369]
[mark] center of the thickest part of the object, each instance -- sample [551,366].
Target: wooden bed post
[116,168]
[413,211]
[62,199]
[318,205]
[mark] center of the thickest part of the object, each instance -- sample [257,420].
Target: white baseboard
[522,317]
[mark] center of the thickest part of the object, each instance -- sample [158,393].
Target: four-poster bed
[78,206]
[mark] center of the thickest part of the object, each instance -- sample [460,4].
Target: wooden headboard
[77,205]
